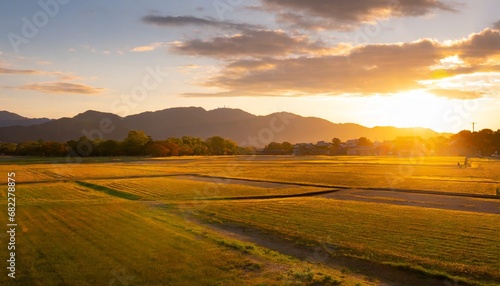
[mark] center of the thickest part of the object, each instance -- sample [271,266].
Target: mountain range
[12,119]
[240,126]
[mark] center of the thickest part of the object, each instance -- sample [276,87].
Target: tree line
[485,142]
[465,143]
[137,143]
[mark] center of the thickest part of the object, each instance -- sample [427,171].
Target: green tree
[134,144]
[230,147]
[108,148]
[29,148]
[216,145]
[7,148]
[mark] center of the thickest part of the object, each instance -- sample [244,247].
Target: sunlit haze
[432,64]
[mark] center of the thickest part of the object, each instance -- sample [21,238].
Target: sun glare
[415,109]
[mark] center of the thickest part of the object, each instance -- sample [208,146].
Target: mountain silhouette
[235,124]
[12,119]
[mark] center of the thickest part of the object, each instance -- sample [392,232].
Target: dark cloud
[480,45]
[345,15]
[178,21]
[249,43]
[62,87]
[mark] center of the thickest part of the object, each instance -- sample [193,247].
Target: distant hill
[242,127]
[12,119]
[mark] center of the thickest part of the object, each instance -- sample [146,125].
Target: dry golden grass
[72,235]
[183,188]
[89,223]
[457,243]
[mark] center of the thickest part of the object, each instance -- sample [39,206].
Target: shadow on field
[109,191]
[308,194]
[334,256]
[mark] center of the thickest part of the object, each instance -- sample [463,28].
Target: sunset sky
[405,63]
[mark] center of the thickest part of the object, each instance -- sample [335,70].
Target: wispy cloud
[458,94]
[62,88]
[20,71]
[466,86]
[92,50]
[42,62]
[61,75]
[147,48]
[178,21]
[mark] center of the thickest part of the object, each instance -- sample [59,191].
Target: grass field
[426,173]
[465,245]
[140,221]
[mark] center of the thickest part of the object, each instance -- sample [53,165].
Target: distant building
[323,144]
[350,143]
[351,148]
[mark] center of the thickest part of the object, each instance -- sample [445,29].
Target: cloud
[366,70]
[18,71]
[44,62]
[62,88]
[481,45]
[496,25]
[179,21]
[458,94]
[362,70]
[347,15]
[61,75]
[190,66]
[232,93]
[465,86]
[252,43]
[147,48]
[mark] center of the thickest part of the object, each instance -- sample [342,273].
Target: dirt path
[426,199]
[419,200]
[325,254]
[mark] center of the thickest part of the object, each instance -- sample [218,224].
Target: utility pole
[473,124]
